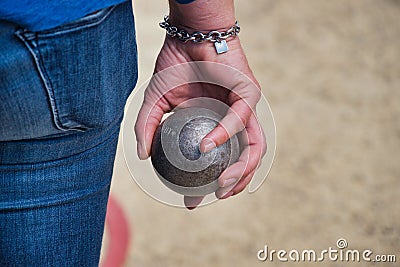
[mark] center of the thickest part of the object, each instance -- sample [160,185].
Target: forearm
[203,15]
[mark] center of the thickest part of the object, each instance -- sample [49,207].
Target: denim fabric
[62,94]
[46,14]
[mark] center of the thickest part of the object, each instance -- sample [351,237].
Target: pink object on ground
[119,235]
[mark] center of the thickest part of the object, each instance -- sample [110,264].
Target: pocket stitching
[82,23]
[33,42]
[44,76]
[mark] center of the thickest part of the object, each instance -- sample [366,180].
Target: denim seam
[57,162]
[33,49]
[83,23]
[31,41]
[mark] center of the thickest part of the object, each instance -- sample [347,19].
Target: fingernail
[192,202]
[228,182]
[141,151]
[207,145]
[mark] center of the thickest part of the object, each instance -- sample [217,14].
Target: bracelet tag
[221,46]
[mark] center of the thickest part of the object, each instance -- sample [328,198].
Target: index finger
[243,98]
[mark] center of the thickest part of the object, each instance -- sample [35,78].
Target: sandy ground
[331,73]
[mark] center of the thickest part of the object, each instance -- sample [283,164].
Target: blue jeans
[62,95]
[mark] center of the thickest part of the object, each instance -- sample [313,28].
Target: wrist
[201,15]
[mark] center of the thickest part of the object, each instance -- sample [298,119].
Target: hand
[242,98]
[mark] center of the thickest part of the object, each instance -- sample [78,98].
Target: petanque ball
[176,155]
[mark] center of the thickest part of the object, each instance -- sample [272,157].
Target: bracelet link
[216,37]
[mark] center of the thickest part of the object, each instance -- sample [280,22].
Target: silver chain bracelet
[216,37]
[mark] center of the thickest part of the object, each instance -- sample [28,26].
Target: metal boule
[176,155]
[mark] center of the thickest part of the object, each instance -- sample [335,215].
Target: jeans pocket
[88,67]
